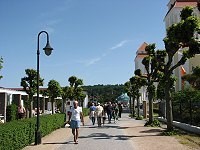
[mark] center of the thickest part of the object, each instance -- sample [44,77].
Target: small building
[8,97]
[123,99]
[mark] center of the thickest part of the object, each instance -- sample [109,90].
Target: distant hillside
[104,93]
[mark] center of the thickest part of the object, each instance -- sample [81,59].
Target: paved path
[127,133]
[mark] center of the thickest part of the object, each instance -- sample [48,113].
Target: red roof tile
[143,46]
[183,4]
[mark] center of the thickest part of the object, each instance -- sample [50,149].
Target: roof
[123,97]
[10,91]
[182,4]
[141,53]
[143,46]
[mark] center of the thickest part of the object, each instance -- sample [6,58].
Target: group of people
[101,112]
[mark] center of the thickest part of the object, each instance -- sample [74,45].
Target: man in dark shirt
[109,111]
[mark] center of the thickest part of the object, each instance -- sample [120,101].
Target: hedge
[17,134]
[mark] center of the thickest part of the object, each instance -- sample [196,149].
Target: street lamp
[48,49]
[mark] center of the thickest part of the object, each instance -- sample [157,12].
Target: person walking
[99,114]
[75,118]
[120,110]
[21,112]
[109,111]
[92,113]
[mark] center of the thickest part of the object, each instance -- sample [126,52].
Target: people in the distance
[92,113]
[75,119]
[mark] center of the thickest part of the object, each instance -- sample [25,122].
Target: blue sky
[95,40]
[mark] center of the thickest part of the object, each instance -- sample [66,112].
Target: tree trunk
[150,97]
[168,107]
[52,105]
[130,104]
[30,107]
[133,109]
[138,107]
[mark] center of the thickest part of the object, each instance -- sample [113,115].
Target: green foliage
[139,118]
[18,134]
[186,106]
[104,93]
[155,123]
[170,133]
[29,84]
[75,91]
[85,111]
[11,113]
[54,91]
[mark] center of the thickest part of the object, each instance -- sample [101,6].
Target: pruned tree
[54,90]
[136,83]
[153,64]
[130,92]
[75,90]
[29,84]
[180,36]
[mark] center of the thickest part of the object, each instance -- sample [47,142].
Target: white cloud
[120,44]
[92,61]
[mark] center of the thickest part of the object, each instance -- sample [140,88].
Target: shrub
[20,133]
[155,123]
[11,112]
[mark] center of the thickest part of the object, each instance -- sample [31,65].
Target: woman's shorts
[75,124]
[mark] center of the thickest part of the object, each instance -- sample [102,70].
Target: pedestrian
[120,110]
[104,113]
[75,119]
[21,112]
[92,113]
[99,114]
[67,110]
[109,111]
[116,111]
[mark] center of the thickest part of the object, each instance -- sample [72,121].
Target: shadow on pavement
[152,131]
[69,142]
[101,136]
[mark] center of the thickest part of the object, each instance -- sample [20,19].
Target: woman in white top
[75,118]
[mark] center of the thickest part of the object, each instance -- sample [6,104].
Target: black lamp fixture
[48,49]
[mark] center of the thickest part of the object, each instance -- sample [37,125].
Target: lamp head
[48,49]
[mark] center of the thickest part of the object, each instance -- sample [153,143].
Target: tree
[1,62]
[29,84]
[136,83]
[152,66]
[179,36]
[54,91]
[75,90]
[129,91]
[130,88]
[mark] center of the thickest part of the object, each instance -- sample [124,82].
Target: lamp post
[48,49]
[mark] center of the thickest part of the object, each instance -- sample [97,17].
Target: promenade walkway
[127,133]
